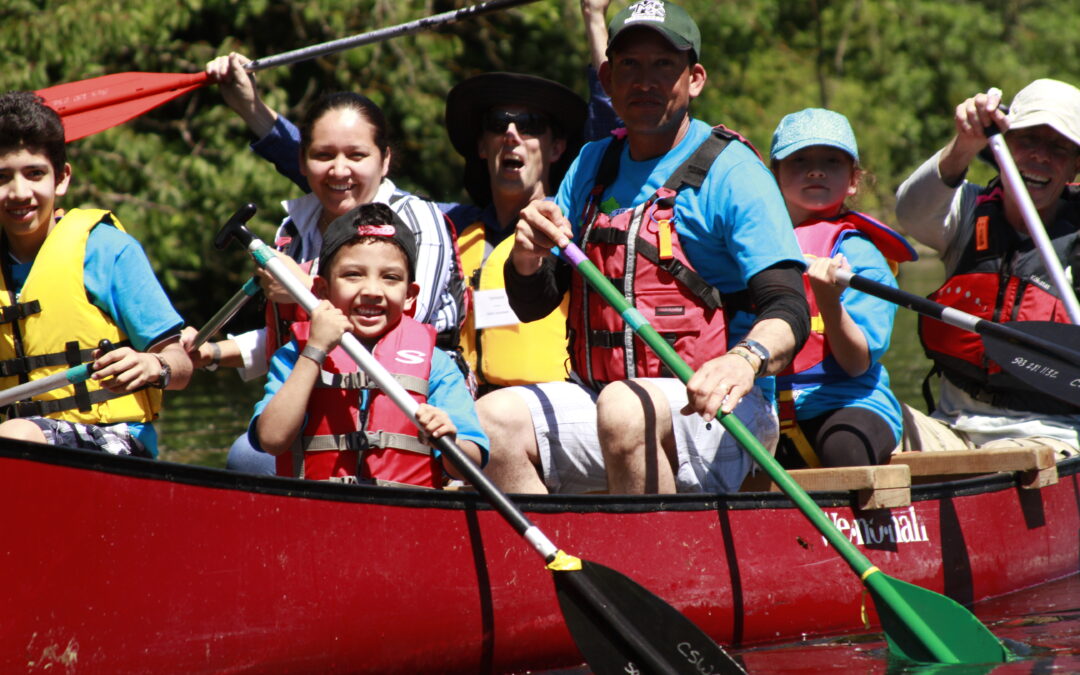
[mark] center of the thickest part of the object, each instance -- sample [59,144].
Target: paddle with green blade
[919,624]
[89,106]
[1034,352]
[619,626]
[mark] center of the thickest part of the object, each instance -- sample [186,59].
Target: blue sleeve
[873,315]
[449,393]
[601,119]
[281,146]
[281,364]
[120,282]
[759,234]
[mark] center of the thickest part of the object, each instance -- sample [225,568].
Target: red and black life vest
[1001,277]
[640,252]
[342,441]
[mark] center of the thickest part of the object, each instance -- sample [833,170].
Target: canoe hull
[122,565]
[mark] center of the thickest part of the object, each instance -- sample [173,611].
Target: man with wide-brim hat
[518,134]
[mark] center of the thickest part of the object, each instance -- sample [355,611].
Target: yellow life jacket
[521,353]
[58,327]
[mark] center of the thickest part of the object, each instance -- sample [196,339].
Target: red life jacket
[814,364]
[640,251]
[342,441]
[1001,277]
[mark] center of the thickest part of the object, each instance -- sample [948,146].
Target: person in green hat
[690,222]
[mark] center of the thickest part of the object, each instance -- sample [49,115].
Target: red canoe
[119,565]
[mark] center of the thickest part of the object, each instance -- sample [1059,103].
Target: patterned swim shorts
[114,439]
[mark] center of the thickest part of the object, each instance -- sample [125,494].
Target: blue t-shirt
[875,317]
[446,390]
[734,226]
[120,282]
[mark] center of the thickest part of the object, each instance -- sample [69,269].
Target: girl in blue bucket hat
[836,407]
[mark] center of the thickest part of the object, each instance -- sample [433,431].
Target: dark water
[1040,625]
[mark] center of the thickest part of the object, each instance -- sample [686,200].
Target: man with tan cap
[711,262]
[993,267]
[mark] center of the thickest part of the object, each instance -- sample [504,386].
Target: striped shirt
[436,263]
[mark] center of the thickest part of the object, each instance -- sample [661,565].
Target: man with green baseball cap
[687,219]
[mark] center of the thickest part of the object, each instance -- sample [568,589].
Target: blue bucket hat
[813,126]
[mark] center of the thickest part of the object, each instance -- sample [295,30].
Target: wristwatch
[758,350]
[215,358]
[165,375]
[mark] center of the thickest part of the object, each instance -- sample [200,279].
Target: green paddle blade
[914,618]
[621,628]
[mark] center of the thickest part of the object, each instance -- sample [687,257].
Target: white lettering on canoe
[901,528]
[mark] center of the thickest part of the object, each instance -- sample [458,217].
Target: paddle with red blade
[919,624]
[89,106]
[619,626]
[1038,353]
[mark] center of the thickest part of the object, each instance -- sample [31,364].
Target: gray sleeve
[932,212]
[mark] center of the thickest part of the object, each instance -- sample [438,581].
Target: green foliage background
[895,68]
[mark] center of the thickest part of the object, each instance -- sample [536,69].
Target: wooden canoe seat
[1036,466]
[874,487]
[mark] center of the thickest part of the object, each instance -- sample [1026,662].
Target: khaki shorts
[927,434]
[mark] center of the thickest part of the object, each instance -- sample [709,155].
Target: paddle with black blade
[1034,352]
[89,106]
[919,624]
[619,626]
[1010,174]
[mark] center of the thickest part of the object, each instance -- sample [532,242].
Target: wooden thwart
[874,487]
[1037,466]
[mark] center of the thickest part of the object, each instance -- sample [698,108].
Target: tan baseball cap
[1051,102]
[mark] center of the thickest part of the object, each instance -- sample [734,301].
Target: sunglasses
[527,123]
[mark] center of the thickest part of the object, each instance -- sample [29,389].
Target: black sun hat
[467,103]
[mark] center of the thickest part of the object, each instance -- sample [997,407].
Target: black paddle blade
[622,628]
[1044,372]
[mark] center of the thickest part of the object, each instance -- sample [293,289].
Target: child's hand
[434,423]
[124,370]
[328,324]
[822,274]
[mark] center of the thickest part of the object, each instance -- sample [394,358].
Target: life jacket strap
[790,429]
[19,310]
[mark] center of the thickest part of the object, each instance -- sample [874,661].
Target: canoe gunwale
[209,477]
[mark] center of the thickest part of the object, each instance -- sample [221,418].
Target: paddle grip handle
[232,227]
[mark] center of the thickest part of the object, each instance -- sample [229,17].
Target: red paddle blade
[89,106]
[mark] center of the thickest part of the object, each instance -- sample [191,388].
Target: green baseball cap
[670,20]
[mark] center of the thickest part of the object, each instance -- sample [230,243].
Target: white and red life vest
[640,252]
[342,441]
[1001,277]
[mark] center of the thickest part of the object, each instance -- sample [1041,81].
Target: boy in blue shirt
[320,415]
[67,284]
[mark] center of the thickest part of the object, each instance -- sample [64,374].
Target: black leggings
[844,437]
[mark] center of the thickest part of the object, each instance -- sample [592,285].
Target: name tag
[493,309]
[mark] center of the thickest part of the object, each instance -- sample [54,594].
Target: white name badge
[493,309]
